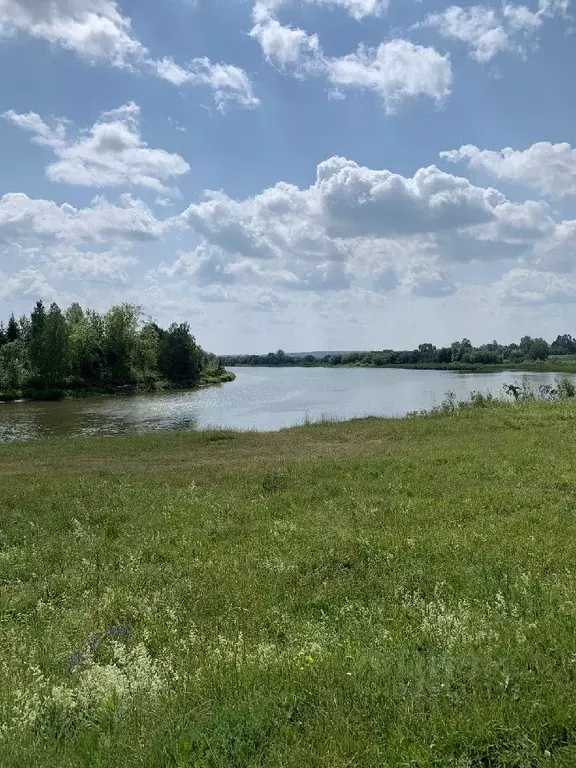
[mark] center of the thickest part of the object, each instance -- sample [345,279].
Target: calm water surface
[260,398]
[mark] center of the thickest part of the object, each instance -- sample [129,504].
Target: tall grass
[380,593]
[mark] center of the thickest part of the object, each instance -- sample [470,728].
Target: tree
[36,346]
[178,356]
[120,342]
[427,353]
[13,330]
[563,345]
[54,368]
[445,355]
[14,370]
[86,345]
[525,344]
[147,351]
[539,350]
[3,335]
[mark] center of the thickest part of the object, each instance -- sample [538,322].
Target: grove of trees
[458,354]
[80,349]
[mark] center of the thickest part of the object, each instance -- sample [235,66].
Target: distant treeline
[460,354]
[80,349]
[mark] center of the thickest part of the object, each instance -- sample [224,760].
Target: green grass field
[379,594]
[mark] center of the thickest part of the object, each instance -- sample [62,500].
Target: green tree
[13,330]
[54,368]
[445,355]
[120,342]
[539,350]
[179,357]
[36,345]
[14,370]
[525,345]
[147,352]
[86,345]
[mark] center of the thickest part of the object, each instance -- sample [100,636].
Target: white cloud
[479,26]
[96,31]
[358,225]
[89,266]
[227,82]
[285,46]
[527,286]
[553,7]
[489,31]
[26,222]
[358,9]
[396,70]
[357,201]
[111,153]
[548,168]
[28,283]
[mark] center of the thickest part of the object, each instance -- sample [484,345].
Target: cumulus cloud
[489,31]
[528,286]
[286,46]
[548,168]
[89,266]
[355,229]
[111,153]
[359,225]
[396,70]
[27,222]
[357,201]
[28,283]
[96,31]
[479,26]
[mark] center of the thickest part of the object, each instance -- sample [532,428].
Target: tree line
[459,354]
[80,349]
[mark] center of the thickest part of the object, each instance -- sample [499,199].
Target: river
[260,399]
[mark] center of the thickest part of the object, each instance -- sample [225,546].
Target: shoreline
[456,367]
[58,395]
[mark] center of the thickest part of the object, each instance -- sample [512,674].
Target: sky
[295,174]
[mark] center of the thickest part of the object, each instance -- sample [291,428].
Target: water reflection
[260,398]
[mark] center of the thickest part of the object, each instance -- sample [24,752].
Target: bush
[566,388]
[48,394]
[9,395]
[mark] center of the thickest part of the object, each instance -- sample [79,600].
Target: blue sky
[311,174]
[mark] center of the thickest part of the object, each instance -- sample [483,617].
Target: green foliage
[179,359]
[13,331]
[375,594]
[120,343]
[14,365]
[55,367]
[53,353]
[461,355]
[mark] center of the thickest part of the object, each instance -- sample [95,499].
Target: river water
[260,399]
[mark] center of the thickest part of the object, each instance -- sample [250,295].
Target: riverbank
[47,395]
[377,593]
[555,365]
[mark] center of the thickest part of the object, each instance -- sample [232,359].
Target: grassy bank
[207,379]
[381,593]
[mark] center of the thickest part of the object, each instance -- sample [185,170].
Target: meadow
[379,593]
